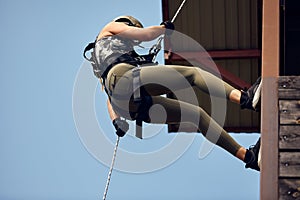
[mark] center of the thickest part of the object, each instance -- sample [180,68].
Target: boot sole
[257,95]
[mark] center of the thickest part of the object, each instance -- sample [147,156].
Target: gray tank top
[112,50]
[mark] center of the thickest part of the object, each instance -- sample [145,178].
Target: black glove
[169,26]
[121,126]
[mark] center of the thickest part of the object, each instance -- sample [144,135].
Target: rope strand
[178,10]
[111,168]
[156,47]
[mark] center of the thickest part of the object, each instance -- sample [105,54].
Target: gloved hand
[121,126]
[169,27]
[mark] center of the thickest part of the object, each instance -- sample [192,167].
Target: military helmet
[129,20]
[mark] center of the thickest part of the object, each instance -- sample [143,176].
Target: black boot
[251,158]
[250,98]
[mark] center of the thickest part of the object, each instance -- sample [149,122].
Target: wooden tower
[248,38]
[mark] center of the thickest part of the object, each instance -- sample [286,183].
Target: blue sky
[42,154]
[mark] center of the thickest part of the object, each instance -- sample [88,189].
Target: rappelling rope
[178,10]
[111,167]
[156,47]
[118,139]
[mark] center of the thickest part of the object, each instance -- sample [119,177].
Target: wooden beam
[222,54]
[269,101]
[246,53]
[289,137]
[237,130]
[227,76]
[289,164]
[289,188]
[204,58]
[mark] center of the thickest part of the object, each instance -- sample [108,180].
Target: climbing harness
[138,94]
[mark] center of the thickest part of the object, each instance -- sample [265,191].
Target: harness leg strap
[136,84]
[137,99]
[139,129]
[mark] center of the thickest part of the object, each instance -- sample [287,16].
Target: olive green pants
[181,81]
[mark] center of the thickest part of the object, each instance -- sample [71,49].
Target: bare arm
[120,125]
[111,112]
[141,34]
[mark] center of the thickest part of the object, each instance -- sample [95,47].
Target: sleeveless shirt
[112,50]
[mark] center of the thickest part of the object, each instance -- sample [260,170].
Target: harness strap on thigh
[137,99]
[136,84]
[139,128]
[143,113]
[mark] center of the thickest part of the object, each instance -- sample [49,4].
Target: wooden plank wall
[289,137]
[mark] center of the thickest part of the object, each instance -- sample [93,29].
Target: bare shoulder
[113,28]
